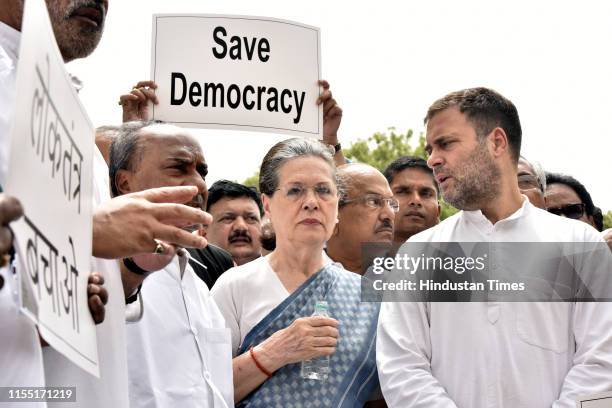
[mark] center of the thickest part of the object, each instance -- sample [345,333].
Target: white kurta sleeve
[223,296]
[591,372]
[403,354]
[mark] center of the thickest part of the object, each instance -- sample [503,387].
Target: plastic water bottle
[317,368]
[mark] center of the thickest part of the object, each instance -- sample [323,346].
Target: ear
[123,181]
[499,142]
[265,200]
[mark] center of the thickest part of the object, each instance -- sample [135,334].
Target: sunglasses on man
[574,211]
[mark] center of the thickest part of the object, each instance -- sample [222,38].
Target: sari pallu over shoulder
[353,376]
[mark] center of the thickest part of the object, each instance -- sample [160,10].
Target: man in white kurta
[491,354]
[179,353]
[20,351]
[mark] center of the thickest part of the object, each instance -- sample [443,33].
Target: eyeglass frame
[363,199]
[563,210]
[302,195]
[532,177]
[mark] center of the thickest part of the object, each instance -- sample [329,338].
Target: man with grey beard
[126,226]
[493,353]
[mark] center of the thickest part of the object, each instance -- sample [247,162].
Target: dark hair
[124,150]
[598,219]
[579,189]
[226,188]
[287,150]
[485,109]
[408,162]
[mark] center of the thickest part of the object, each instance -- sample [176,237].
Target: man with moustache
[236,226]
[177,354]
[414,186]
[491,354]
[366,210]
[122,227]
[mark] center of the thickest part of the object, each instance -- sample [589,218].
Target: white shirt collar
[477,216]
[9,39]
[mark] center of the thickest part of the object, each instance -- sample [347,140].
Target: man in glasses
[531,181]
[366,213]
[567,197]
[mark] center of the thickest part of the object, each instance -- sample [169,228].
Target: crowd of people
[204,295]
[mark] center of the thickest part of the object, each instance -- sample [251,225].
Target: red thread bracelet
[261,368]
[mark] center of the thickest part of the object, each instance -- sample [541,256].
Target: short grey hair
[124,150]
[539,173]
[287,150]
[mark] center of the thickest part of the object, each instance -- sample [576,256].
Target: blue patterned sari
[353,376]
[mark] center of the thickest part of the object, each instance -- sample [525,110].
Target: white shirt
[179,353]
[245,295]
[496,354]
[20,345]
[20,351]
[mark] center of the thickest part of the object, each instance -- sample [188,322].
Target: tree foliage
[607,220]
[379,150]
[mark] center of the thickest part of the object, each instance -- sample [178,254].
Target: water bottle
[317,368]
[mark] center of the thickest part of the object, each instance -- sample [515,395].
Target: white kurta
[23,347]
[20,351]
[179,353]
[496,354]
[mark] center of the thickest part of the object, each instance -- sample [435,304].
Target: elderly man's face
[78,25]
[166,156]
[463,166]
[236,227]
[528,183]
[360,221]
[562,198]
[418,199]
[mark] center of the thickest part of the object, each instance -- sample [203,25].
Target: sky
[387,61]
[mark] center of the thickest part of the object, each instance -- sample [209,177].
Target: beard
[75,40]
[475,182]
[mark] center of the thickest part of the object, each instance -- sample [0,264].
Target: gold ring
[159,248]
[135,88]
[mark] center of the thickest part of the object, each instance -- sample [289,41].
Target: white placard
[603,400]
[237,72]
[50,171]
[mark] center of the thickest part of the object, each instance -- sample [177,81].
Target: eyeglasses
[528,182]
[297,192]
[375,201]
[574,211]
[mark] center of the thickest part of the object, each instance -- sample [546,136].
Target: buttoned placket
[183,257]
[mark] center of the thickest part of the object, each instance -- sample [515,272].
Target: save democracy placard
[237,72]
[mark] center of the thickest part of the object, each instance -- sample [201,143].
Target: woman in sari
[268,303]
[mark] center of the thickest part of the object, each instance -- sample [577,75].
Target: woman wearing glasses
[268,303]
